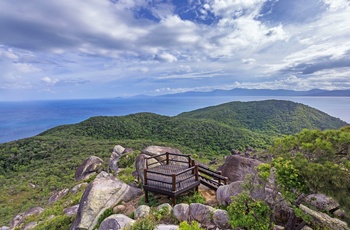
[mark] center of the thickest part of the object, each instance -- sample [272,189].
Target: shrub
[193,226]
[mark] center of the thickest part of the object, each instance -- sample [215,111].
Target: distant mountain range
[264,92]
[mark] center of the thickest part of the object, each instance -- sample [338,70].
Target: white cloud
[166,57]
[50,81]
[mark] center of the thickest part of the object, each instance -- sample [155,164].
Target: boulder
[78,187]
[201,213]
[140,165]
[128,150]
[20,218]
[237,167]
[157,150]
[119,209]
[166,227]
[104,192]
[142,211]
[221,219]
[118,149]
[116,221]
[323,221]
[113,162]
[71,211]
[30,225]
[88,168]
[58,195]
[181,212]
[4,228]
[166,206]
[322,202]
[224,193]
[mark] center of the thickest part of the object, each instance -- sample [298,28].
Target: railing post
[193,164]
[196,172]
[226,180]
[145,176]
[220,173]
[167,158]
[189,161]
[174,182]
[146,162]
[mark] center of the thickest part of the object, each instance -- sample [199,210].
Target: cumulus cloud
[165,57]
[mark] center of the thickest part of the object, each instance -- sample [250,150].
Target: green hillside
[272,116]
[49,160]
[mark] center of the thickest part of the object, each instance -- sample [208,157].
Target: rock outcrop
[142,211]
[116,221]
[323,221]
[58,195]
[225,192]
[201,213]
[20,218]
[322,202]
[237,167]
[71,211]
[104,192]
[88,168]
[181,212]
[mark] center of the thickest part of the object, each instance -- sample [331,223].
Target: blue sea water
[28,118]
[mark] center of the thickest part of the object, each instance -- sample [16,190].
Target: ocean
[28,118]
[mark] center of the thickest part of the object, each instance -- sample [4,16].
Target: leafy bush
[127,160]
[193,226]
[147,223]
[108,212]
[190,198]
[247,213]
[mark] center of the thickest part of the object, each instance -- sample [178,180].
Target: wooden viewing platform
[173,174]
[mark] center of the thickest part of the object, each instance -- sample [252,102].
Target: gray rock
[340,214]
[140,165]
[78,187]
[237,167]
[118,149]
[200,213]
[304,228]
[322,202]
[116,221]
[58,195]
[166,227]
[71,211]
[165,206]
[4,228]
[113,162]
[225,192]
[104,192]
[119,209]
[221,219]
[142,211]
[157,150]
[323,221]
[30,225]
[88,168]
[181,212]
[20,218]
[128,150]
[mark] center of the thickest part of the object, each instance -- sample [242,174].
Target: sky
[78,49]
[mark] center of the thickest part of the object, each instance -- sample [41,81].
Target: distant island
[264,92]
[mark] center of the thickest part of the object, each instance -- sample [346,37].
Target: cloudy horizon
[112,48]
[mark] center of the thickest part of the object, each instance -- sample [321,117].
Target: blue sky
[98,48]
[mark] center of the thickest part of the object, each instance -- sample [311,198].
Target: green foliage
[247,213]
[128,159]
[126,175]
[147,223]
[193,226]
[61,222]
[152,200]
[190,198]
[108,212]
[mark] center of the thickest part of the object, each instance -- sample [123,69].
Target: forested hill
[271,116]
[223,127]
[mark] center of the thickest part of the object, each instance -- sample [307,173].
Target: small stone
[142,211]
[119,209]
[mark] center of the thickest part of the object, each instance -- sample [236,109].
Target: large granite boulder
[220,218]
[116,221]
[140,165]
[113,162]
[237,167]
[181,212]
[104,192]
[322,202]
[118,149]
[225,192]
[323,221]
[158,150]
[88,168]
[201,213]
